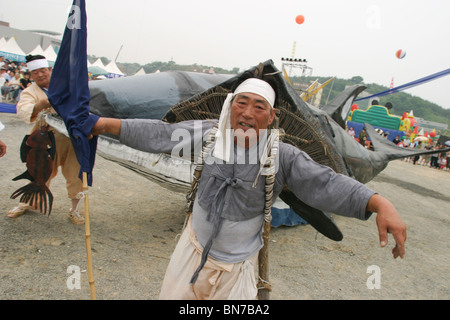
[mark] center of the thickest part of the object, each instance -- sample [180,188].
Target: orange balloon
[300,19]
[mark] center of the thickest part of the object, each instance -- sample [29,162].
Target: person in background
[362,137]
[351,132]
[12,86]
[33,101]
[25,82]
[396,140]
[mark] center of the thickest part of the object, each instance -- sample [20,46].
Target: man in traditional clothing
[218,249]
[34,100]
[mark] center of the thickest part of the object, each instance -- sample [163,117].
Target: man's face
[41,76]
[250,113]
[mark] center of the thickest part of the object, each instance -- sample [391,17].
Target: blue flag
[69,90]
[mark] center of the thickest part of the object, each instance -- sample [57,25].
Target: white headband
[37,64]
[259,87]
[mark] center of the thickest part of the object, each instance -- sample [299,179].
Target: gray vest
[226,191]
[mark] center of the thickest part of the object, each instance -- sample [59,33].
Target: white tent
[140,72]
[98,63]
[50,54]
[113,70]
[12,51]
[37,50]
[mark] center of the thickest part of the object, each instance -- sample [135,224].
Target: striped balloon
[400,54]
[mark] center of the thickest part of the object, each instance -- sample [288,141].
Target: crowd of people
[438,160]
[14,78]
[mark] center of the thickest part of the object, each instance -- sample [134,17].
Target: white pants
[216,281]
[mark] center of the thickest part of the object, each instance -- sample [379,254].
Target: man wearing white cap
[34,100]
[217,252]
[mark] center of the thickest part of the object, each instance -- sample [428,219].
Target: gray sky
[338,38]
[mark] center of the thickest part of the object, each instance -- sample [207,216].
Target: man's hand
[41,105]
[388,221]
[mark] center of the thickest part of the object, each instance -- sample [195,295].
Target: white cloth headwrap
[224,135]
[37,64]
[259,87]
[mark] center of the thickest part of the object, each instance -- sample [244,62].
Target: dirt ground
[135,223]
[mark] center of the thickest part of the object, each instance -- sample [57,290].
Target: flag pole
[88,237]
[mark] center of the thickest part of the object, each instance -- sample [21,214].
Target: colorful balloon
[400,54]
[300,19]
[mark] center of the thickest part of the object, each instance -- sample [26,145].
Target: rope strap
[263,284]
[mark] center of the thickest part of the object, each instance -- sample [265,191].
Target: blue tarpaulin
[7,108]
[12,56]
[285,217]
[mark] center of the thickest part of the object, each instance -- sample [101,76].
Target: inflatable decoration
[300,19]
[400,54]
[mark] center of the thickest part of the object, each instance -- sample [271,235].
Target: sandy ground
[134,224]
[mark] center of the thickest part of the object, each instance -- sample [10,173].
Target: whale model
[176,96]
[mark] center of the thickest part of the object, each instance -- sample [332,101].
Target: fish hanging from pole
[37,151]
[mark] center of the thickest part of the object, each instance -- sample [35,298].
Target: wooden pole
[88,237]
[264,286]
